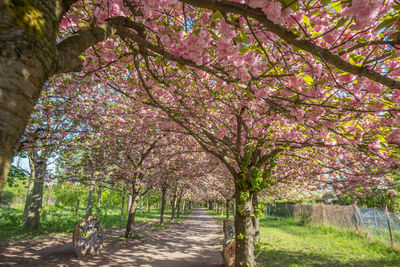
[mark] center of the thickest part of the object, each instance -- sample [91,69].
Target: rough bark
[89,208]
[30,186]
[244,230]
[173,205]
[132,212]
[256,220]
[32,220]
[164,188]
[28,53]
[98,197]
[123,206]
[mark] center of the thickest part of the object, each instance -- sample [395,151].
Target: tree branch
[293,39]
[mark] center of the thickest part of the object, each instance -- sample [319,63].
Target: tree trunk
[148,203]
[178,205]
[132,213]
[210,205]
[28,56]
[32,219]
[30,186]
[184,207]
[122,206]
[98,197]
[256,220]
[173,206]
[128,206]
[89,208]
[244,230]
[163,202]
[77,206]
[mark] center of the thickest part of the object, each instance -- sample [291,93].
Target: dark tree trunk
[28,56]
[178,205]
[131,215]
[210,205]
[163,202]
[123,206]
[256,220]
[173,206]
[244,230]
[77,206]
[30,186]
[98,197]
[32,219]
[89,208]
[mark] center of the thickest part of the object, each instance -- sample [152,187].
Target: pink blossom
[273,11]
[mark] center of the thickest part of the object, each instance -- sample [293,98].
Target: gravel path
[196,242]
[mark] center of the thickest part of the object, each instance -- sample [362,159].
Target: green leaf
[381,138]
[336,6]
[308,79]
[386,23]
[217,15]
[306,20]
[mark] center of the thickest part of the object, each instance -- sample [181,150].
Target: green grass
[285,242]
[60,219]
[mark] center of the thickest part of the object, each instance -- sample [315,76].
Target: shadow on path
[196,242]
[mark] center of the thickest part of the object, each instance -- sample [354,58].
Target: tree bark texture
[173,205]
[98,197]
[123,206]
[28,54]
[244,229]
[32,220]
[132,212]
[256,220]
[164,188]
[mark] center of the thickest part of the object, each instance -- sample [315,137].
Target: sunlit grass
[285,242]
[60,219]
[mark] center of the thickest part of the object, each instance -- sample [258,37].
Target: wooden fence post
[389,225]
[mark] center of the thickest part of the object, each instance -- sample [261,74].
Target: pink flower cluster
[272,9]
[366,12]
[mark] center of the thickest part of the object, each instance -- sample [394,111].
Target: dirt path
[196,242]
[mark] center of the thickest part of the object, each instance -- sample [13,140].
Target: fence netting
[377,224]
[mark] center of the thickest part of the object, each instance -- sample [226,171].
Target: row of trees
[278,94]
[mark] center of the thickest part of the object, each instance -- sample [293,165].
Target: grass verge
[60,219]
[285,242]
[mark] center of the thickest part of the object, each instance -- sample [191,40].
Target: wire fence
[376,224]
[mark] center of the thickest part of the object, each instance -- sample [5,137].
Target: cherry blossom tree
[254,82]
